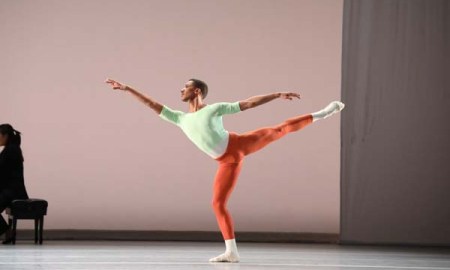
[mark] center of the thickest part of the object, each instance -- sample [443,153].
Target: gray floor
[194,255]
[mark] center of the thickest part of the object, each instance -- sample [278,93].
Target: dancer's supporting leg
[225,180]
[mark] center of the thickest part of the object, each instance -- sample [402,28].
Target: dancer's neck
[196,104]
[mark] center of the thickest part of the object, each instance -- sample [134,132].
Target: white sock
[231,253]
[332,108]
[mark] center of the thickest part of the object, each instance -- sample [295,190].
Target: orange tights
[230,163]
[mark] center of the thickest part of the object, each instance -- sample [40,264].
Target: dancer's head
[9,136]
[194,88]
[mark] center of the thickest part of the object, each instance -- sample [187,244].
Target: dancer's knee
[219,206]
[280,130]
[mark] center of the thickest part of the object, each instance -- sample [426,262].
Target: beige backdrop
[105,161]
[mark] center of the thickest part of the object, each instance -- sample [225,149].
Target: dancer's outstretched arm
[156,106]
[259,100]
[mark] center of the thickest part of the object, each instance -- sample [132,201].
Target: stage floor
[194,255]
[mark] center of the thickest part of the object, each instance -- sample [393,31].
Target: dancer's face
[189,91]
[3,139]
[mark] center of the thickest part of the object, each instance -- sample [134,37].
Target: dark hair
[13,135]
[202,85]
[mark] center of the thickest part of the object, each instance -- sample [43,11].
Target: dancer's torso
[204,127]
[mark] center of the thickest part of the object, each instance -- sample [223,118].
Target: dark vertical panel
[396,126]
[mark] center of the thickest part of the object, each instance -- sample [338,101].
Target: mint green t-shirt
[204,127]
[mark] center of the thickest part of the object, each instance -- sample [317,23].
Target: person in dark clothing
[12,185]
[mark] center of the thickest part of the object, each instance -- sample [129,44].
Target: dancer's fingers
[290,96]
[115,85]
[110,81]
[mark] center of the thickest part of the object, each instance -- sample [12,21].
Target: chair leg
[41,229]
[36,228]
[13,231]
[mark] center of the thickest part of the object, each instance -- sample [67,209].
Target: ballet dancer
[203,126]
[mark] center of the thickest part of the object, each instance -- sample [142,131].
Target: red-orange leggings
[240,145]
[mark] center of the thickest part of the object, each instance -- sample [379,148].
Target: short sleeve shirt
[204,127]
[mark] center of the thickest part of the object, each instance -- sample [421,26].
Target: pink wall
[104,161]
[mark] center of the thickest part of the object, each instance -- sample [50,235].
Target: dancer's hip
[232,153]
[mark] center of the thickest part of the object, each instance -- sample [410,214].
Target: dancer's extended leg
[253,141]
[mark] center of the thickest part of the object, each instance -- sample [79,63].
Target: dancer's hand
[116,85]
[290,96]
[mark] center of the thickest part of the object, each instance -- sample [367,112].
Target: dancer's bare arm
[156,106]
[255,101]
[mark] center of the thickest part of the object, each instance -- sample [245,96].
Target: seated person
[11,170]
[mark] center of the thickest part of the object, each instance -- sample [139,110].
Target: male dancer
[203,126]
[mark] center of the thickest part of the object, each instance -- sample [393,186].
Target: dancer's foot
[332,108]
[226,257]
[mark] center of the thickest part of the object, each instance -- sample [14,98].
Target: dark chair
[27,209]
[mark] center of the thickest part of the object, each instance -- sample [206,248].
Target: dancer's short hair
[201,85]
